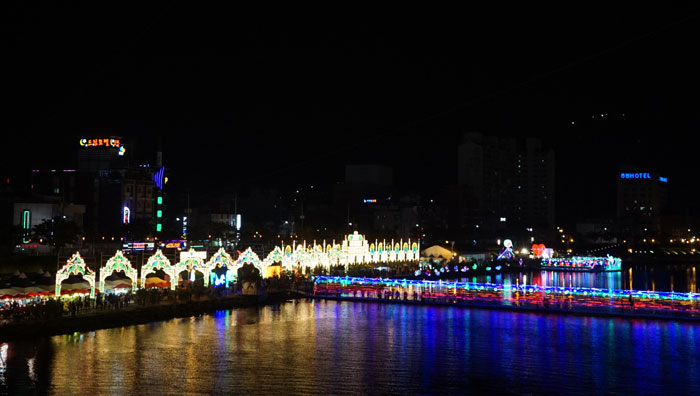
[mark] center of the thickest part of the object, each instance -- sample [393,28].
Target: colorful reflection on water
[327,347]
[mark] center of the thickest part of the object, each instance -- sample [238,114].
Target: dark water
[326,347]
[679,278]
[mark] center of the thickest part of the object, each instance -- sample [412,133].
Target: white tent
[438,252]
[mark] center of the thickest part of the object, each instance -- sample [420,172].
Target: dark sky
[240,99]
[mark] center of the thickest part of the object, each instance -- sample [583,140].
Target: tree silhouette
[57,232]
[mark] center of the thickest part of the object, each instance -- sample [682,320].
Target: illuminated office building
[642,195]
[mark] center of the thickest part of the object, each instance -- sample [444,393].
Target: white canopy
[437,252]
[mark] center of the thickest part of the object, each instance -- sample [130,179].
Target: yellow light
[166,179]
[83,238]
[571,240]
[560,230]
[629,250]
[652,240]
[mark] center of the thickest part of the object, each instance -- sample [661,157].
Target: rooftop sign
[635,176]
[102,142]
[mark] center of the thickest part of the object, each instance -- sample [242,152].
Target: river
[324,347]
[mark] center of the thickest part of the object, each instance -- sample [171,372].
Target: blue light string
[500,287]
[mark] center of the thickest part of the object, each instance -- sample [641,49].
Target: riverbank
[552,310]
[134,315]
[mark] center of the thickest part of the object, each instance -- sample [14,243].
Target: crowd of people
[51,307]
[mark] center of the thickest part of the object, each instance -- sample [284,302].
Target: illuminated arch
[276,256]
[249,257]
[156,262]
[193,263]
[118,263]
[221,259]
[300,256]
[75,266]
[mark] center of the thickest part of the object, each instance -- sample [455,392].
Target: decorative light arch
[156,262]
[249,257]
[277,256]
[118,263]
[299,255]
[75,266]
[218,260]
[193,263]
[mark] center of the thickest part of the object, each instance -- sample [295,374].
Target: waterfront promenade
[533,298]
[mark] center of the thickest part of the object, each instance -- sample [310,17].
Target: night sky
[243,101]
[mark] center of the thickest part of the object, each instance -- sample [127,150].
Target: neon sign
[126,215]
[102,142]
[158,178]
[635,176]
[663,179]
[367,200]
[139,245]
[26,225]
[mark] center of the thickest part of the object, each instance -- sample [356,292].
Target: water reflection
[601,280]
[326,347]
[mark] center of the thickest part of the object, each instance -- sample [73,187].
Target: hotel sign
[641,175]
[635,176]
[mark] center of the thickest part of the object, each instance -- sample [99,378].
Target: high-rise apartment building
[506,180]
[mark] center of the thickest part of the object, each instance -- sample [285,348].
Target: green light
[159,213]
[160,200]
[26,225]
[159,227]
[25,219]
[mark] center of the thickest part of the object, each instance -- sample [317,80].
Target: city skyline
[615,96]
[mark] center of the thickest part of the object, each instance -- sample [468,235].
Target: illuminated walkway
[650,304]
